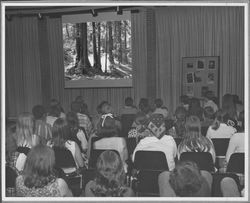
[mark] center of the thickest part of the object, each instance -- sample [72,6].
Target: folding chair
[64,160]
[236,163]
[204,160]
[220,145]
[149,164]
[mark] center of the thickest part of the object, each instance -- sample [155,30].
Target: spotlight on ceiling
[119,10]
[39,15]
[94,13]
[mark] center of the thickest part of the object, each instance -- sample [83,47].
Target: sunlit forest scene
[97,50]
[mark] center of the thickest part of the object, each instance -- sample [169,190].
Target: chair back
[220,145]
[94,155]
[150,160]
[126,122]
[204,160]
[63,158]
[236,163]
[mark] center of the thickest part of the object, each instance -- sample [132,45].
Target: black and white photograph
[113,101]
[190,78]
[211,64]
[200,64]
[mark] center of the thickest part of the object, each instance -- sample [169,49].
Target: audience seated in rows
[39,178]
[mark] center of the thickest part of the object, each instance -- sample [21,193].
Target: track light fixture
[39,15]
[94,12]
[8,17]
[119,10]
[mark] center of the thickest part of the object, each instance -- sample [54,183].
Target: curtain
[35,69]
[199,31]
[23,82]
[139,54]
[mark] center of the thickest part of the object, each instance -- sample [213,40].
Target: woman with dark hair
[60,139]
[186,180]
[193,140]
[229,106]
[39,178]
[110,178]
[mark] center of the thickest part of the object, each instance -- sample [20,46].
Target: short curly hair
[185,179]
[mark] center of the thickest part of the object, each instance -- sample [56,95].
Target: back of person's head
[76,107]
[25,128]
[60,132]
[158,103]
[129,101]
[110,175]
[186,179]
[39,167]
[106,108]
[228,105]
[209,112]
[72,120]
[218,119]
[55,102]
[180,113]
[144,105]
[54,111]
[193,124]
[195,107]
[84,109]
[38,112]
[79,99]
[184,99]
[99,107]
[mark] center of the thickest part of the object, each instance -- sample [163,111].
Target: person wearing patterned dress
[39,177]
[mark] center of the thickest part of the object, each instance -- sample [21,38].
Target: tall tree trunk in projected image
[99,43]
[78,44]
[85,64]
[119,36]
[125,57]
[97,62]
[110,44]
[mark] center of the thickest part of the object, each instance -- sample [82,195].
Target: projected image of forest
[97,50]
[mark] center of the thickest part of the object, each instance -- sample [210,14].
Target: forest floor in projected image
[97,50]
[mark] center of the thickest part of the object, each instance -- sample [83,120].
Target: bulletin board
[200,75]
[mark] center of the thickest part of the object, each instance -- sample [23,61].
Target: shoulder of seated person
[129,192]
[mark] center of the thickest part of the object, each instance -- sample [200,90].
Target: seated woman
[60,140]
[222,127]
[179,123]
[193,140]
[186,180]
[54,113]
[25,139]
[42,129]
[39,178]
[158,141]
[110,178]
[129,107]
[160,109]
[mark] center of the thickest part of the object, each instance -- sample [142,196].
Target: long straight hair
[39,167]
[24,128]
[60,132]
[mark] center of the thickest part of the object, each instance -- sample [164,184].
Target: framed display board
[200,75]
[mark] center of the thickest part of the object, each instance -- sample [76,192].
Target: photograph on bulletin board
[200,75]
